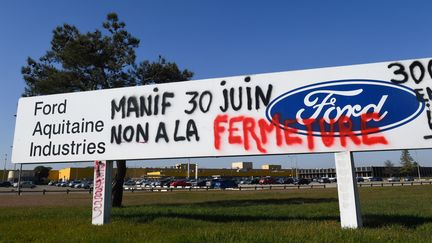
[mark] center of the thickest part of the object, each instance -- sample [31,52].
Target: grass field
[391,214]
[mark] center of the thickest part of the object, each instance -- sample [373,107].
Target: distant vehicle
[288,180]
[360,179]
[166,182]
[144,183]
[267,180]
[199,183]
[409,178]
[333,179]
[84,185]
[52,183]
[255,181]
[180,183]
[25,184]
[393,179]
[211,183]
[73,183]
[5,184]
[302,181]
[129,183]
[323,180]
[246,182]
[375,179]
[223,184]
[141,182]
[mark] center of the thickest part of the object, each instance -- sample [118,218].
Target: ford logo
[329,101]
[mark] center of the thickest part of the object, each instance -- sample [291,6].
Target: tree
[101,59]
[407,163]
[390,169]
[41,172]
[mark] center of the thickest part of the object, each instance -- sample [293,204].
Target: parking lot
[45,189]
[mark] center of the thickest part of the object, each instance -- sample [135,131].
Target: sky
[225,38]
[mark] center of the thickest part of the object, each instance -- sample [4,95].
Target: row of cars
[72,184]
[364,179]
[24,184]
[214,183]
[170,182]
[278,180]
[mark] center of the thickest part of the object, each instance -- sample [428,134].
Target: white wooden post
[101,207]
[349,203]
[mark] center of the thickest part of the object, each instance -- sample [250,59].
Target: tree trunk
[117,189]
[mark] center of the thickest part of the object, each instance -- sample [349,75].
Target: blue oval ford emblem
[329,101]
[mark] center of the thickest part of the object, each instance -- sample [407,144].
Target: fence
[240,188]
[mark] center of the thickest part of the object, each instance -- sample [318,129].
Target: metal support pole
[349,203]
[4,168]
[418,171]
[19,180]
[188,168]
[101,208]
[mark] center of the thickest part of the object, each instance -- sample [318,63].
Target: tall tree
[41,172]
[99,59]
[407,163]
[389,169]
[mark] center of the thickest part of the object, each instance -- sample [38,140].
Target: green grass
[391,214]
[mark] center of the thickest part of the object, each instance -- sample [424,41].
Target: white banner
[381,106]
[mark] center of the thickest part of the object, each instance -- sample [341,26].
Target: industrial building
[364,171]
[238,169]
[87,173]
[271,167]
[242,165]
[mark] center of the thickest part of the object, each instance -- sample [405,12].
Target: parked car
[289,180]
[246,182]
[73,183]
[199,183]
[25,184]
[393,179]
[85,185]
[255,181]
[323,180]
[52,183]
[301,181]
[129,183]
[166,182]
[333,179]
[360,179]
[5,184]
[211,183]
[409,178]
[180,183]
[223,184]
[267,180]
[375,179]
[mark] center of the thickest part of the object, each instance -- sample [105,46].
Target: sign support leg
[349,203]
[102,187]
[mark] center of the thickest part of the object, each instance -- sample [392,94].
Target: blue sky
[226,38]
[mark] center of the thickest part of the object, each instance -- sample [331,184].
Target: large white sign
[378,106]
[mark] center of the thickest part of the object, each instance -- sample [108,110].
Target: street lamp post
[418,171]
[188,168]
[4,168]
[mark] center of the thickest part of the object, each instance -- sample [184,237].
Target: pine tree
[100,59]
[389,169]
[407,162]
